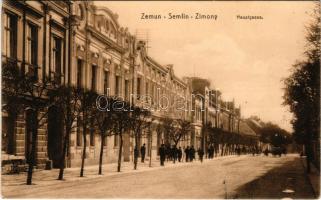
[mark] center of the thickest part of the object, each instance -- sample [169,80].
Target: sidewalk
[49,177]
[313,177]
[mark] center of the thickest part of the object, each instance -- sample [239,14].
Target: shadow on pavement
[286,181]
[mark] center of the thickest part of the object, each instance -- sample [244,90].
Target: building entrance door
[55,136]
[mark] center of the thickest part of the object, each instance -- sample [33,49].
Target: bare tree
[68,99]
[176,129]
[104,122]
[36,101]
[87,109]
[169,128]
[138,122]
[121,125]
[150,135]
[184,128]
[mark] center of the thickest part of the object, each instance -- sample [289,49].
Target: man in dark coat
[200,154]
[192,153]
[174,152]
[179,154]
[187,153]
[212,151]
[142,152]
[136,153]
[162,153]
[209,152]
[167,152]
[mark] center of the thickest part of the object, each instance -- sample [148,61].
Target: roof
[245,129]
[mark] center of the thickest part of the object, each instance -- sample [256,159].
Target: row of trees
[78,106]
[274,135]
[302,93]
[226,142]
[22,92]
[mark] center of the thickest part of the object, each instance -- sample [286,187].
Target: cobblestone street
[231,177]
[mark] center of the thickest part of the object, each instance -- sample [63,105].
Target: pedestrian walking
[171,153]
[174,152]
[212,151]
[168,152]
[209,152]
[239,151]
[136,153]
[192,153]
[179,154]
[162,154]
[142,152]
[187,152]
[200,154]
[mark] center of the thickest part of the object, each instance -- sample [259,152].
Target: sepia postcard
[160,99]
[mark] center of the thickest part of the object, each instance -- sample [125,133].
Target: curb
[313,177]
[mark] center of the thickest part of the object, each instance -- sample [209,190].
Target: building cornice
[105,39]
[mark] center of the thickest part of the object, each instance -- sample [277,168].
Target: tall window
[117,85]
[56,57]
[138,88]
[106,82]
[93,77]
[146,88]
[79,139]
[32,49]
[9,38]
[92,133]
[152,93]
[127,90]
[79,73]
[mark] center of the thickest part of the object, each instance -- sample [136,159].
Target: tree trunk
[120,152]
[84,133]
[135,156]
[174,160]
[308,156]
[32,157]
[62,162]
[101,154]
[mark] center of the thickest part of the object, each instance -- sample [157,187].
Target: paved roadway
[231,177]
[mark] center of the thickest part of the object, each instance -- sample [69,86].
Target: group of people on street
[172,153]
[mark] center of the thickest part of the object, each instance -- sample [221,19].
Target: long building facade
[82,44]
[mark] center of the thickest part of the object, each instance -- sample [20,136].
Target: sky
[245,59]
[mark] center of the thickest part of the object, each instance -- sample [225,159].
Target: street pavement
[243,176]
